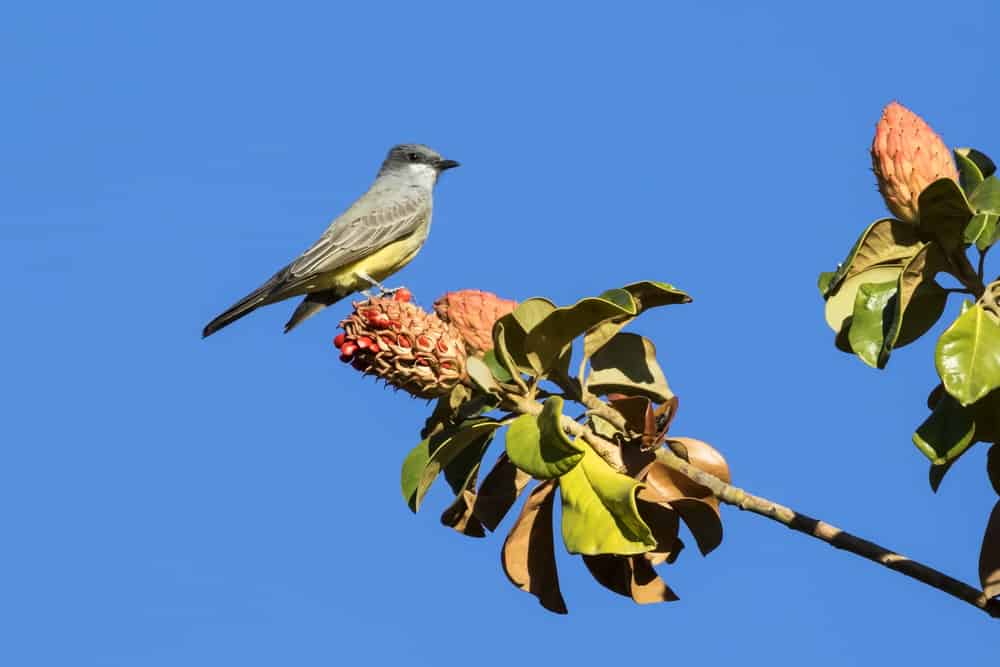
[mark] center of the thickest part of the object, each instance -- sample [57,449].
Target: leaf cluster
[621,511]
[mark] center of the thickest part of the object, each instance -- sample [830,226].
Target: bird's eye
[413,157]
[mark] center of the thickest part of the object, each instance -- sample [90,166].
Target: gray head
[416,158]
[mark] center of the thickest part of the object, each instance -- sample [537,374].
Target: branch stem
[830,534]
[737,497]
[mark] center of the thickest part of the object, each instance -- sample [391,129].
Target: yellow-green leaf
[840,304]
[599,513]
[539,447]
[968,355]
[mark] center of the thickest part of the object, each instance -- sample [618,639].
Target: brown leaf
[993,467]
[528,555]
[638,414]
[695,503]
[459,515]
[663,522]
[705,457]
[498,492]
[631,576]
[989,556]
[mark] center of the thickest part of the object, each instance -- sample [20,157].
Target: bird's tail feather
[311,305]
[244,306]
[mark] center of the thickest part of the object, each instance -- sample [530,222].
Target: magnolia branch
[737,497]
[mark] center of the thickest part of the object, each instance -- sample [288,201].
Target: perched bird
[377,236]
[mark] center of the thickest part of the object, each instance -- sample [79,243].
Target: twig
[982,262]
[832,535]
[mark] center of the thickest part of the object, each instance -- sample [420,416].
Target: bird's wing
[358,233]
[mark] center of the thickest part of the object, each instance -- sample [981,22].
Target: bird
[377,236]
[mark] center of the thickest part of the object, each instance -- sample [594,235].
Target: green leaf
[986,197]
[627,364]
[517,324]
[413,470]
[529,313]
[982,162]
[944,212]
[653,294]
[988,232]
[480,375]
[539,446]
[946,433]
[867,332]
[840,305]
[969,172]
[498,370]
[885,241]
[500,349]
[919,301]
[431,455]
[968,355]
[549,338]
[599,513]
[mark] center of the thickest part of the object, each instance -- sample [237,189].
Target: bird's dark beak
[443,165]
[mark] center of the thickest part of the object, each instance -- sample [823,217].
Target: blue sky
[168,500]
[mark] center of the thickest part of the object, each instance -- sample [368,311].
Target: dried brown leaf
[528,555]
[631,576]
[989,556]
[459,515]
[498,492]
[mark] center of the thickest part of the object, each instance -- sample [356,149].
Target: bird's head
[416,159]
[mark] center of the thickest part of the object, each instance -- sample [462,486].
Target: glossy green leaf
[918,302]
[983,163]
[944,212]
[885,241]
[599,513]
[969,173]
[989,231]
[968,355]
[946,433]
[550,337]
[627,364]
[840,305]
[867,332]
[539,447]
[529,313]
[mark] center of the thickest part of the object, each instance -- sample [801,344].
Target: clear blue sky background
[173,501]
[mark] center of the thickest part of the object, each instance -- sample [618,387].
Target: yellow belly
[379,265]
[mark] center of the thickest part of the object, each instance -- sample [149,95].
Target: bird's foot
[372,282]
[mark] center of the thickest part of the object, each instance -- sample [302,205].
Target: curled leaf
[528,555]
[599,510]
[539,446]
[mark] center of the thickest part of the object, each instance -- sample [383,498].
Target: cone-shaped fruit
[473,313]
[406,346]
[907,156]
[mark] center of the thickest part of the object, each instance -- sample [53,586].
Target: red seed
[364,342]
[402,294]
[348,350]
[442,345]
[422,362]
[402,341]
[374,348]
[339,340]
[423,341]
